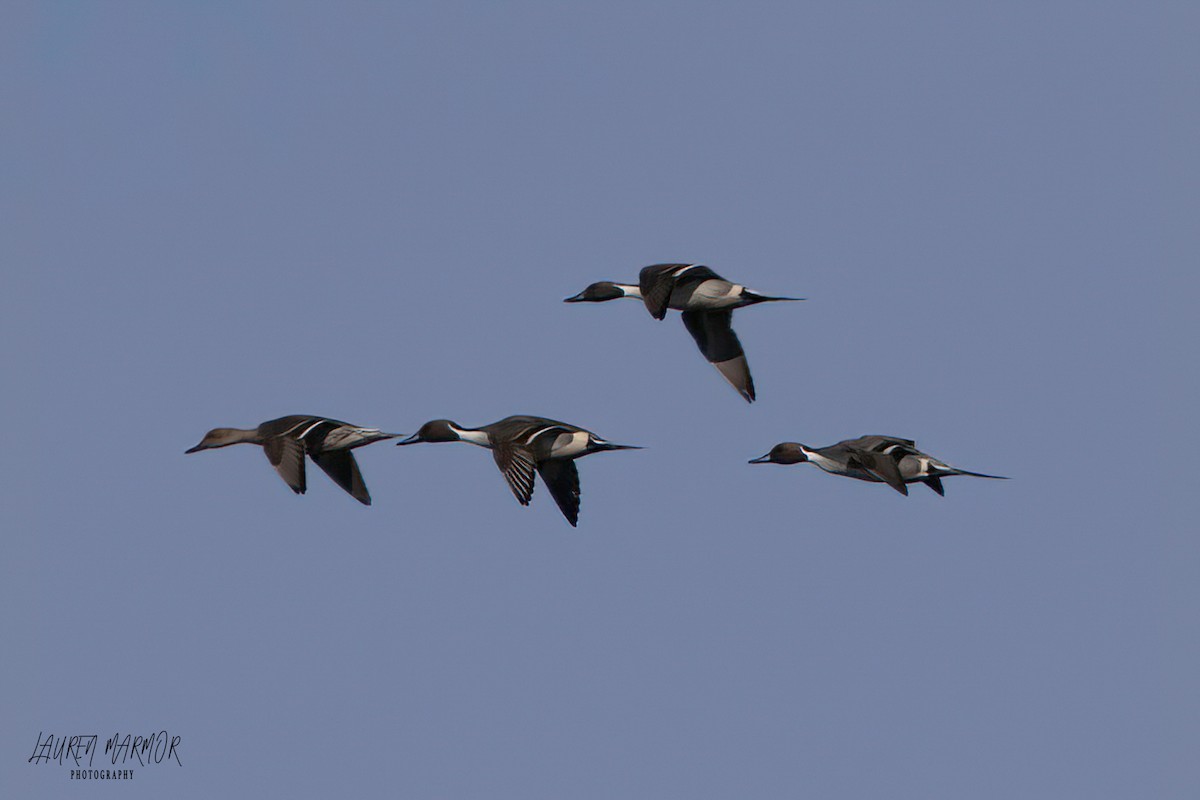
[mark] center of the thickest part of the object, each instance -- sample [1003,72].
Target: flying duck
[707,301]
[328,442]
[521,445]
[879,459]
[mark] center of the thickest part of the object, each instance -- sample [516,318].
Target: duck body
[707,301]
[287,440]
[692,287]
[522,445]
[876,459]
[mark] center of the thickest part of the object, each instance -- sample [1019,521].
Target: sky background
[217,214]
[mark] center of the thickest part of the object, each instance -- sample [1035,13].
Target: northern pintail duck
[707,301]
[328,443]
[523,444]
[879,459]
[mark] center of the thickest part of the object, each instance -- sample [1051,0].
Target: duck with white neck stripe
[522,445]
[876,459]
[707,301]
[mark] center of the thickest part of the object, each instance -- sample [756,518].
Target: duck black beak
[195,449]
[575,298]
[416,437]
[761,460]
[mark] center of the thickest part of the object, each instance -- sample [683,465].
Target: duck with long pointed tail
[707,301]
[286,440]
[878,459]
[522,445]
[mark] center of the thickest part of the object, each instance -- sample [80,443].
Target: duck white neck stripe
[474,437]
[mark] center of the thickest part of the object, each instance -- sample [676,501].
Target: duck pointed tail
[958,471]
[370,436]
[755,297]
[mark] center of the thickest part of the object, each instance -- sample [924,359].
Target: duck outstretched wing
[517,465]
[713,332]
[658,281]
[287,457]
[884,466]
[343,469]
[562,479]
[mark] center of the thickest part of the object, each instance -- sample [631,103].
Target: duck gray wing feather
[345,436]
[658,281]
[562,479]
[287,456]
[878,444]
[883,466]
[343,469]
[535,435]
[713,332]
[517,465]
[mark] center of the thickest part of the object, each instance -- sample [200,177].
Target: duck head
[783,453]
[436,430]
[598,293]
[221,437]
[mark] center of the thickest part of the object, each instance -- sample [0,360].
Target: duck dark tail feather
[979,475]
[754,297]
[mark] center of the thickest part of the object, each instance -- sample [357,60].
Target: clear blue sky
[220,213]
